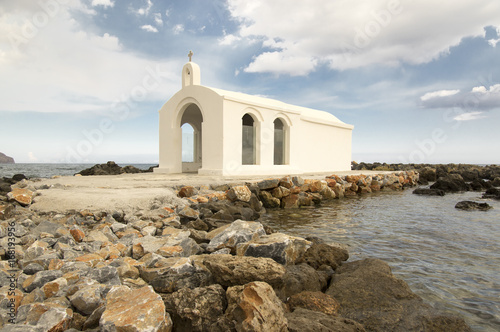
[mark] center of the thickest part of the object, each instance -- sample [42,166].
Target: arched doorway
[191,128]
[249,141]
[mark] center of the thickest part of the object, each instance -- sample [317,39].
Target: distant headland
[6,159]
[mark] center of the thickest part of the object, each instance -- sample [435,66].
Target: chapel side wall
[324,148]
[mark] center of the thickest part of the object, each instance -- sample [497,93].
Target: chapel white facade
[240,134]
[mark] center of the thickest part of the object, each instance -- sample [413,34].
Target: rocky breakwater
[111,168]
[199,262]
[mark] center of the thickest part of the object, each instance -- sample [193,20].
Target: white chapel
[240,134]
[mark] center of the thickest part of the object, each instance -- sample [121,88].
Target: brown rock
[290,201]
[134,310]
[187,191]
[324,254]
[21,195]
[239,193]
[77,234]
[303,320]
[286,182]
[315,301]
[6,211]
[255,307]
[90,259]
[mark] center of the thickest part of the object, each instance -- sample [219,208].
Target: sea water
[450,257]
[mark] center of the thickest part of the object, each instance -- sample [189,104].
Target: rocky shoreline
[199,262]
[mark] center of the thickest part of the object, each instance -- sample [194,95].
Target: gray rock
[40,278]
[238,232]
[268,184]
[88,298]
[299,278]
[32,268]
[107,275]
[284,249]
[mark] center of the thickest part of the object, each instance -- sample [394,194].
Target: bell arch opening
[249,140]
[191,128]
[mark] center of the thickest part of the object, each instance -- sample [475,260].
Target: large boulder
[238,232]
[284,249]
[303,320]
[228,270]
[134,310]
[451,183]
[492,193]
[199,315]
[255,307]
[315,301]
[369,293]
[323,254]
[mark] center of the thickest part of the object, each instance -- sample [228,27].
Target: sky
[81,81]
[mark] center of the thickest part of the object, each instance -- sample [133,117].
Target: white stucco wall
[316,141]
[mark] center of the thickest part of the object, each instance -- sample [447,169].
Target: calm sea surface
[449,257]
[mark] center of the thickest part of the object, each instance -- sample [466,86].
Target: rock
[187,191]
[239,193]
[4,159]
[280,192]
[290,201]
[55,288]
[255,307]
[238,232]
[188,213]
[429,192]
[6,211]
[323,254]
[469,206]
[299,278]
[286,182]
[492,193]
[303,320]
[22,196]
[39,279]
[228,270]
[427,173]
[110,168]
[451,183]
[55,320]
[284,249]
[496,182]
[268,200]
[315,301]
[268,184]
[134,310]
[88,298]
[199,315]
[369,294]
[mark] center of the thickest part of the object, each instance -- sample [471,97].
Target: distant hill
[6,159]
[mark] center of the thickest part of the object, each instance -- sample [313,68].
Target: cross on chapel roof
[190,55]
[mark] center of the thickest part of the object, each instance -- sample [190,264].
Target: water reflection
[449,257]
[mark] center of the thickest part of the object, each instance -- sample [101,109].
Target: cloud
[63,66]
[104,3]
[366,32]
[441,93]
[158,19]
[31,157]
[149,28]
[145,10]
[228,39]
[281,63]
[479,98]
[178,29]
[469,116]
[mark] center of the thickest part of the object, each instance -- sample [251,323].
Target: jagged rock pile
[111,168]
[198,263]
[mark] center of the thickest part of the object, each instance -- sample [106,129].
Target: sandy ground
[130,191]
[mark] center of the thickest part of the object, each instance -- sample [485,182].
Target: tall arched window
[279,143]
[248,148]
[188,145]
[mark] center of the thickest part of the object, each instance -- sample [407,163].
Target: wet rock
[492,193]
[315,301]
[323,254]
[290,202]
[198,315]
[22,196]
[268,200]
[303,320]
[496,182]
[470,206]
[255,307]
[238,232]
[369,294]
[451,183]
[187,191]
[429,192]
[134,310]
[239,193]
[284,249]
[228,270]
